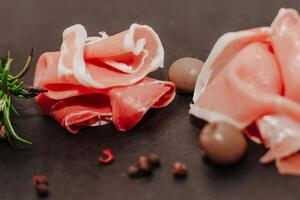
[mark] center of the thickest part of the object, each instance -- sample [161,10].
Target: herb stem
[11,85]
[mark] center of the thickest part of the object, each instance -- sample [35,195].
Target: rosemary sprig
[12,85]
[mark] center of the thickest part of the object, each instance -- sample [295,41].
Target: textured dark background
[186,28]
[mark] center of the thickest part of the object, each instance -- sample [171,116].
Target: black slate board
[186,28]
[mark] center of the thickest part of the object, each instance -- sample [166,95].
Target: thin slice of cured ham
[223,51]
[93,81]
[250,80]
[118,60]
[286,43]
[289,165]
[124,106]
[247,92]
[280,134]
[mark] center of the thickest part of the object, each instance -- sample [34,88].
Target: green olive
[184,72]
[222,143]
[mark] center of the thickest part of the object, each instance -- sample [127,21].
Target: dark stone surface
[186,28]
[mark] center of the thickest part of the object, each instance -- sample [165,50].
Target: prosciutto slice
[250,80]
[93,81]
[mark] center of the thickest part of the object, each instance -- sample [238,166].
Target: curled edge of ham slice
[281,133]
[126,58]
[278,131]
[286,43]
[88,86]
[226,47]
[223,51]
[281,136]
[124,106]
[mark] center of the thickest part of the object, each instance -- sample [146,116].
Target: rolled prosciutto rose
[93,81]
[251,81]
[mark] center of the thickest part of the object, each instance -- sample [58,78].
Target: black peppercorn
[133,171]
[179,170]
[144,165]
[142,159]
[154,160]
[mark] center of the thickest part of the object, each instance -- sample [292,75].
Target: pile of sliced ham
[93,81]
[251,80]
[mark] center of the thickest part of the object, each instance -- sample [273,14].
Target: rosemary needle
[11,85]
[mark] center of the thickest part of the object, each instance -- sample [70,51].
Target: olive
[184,72]
[222,143]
